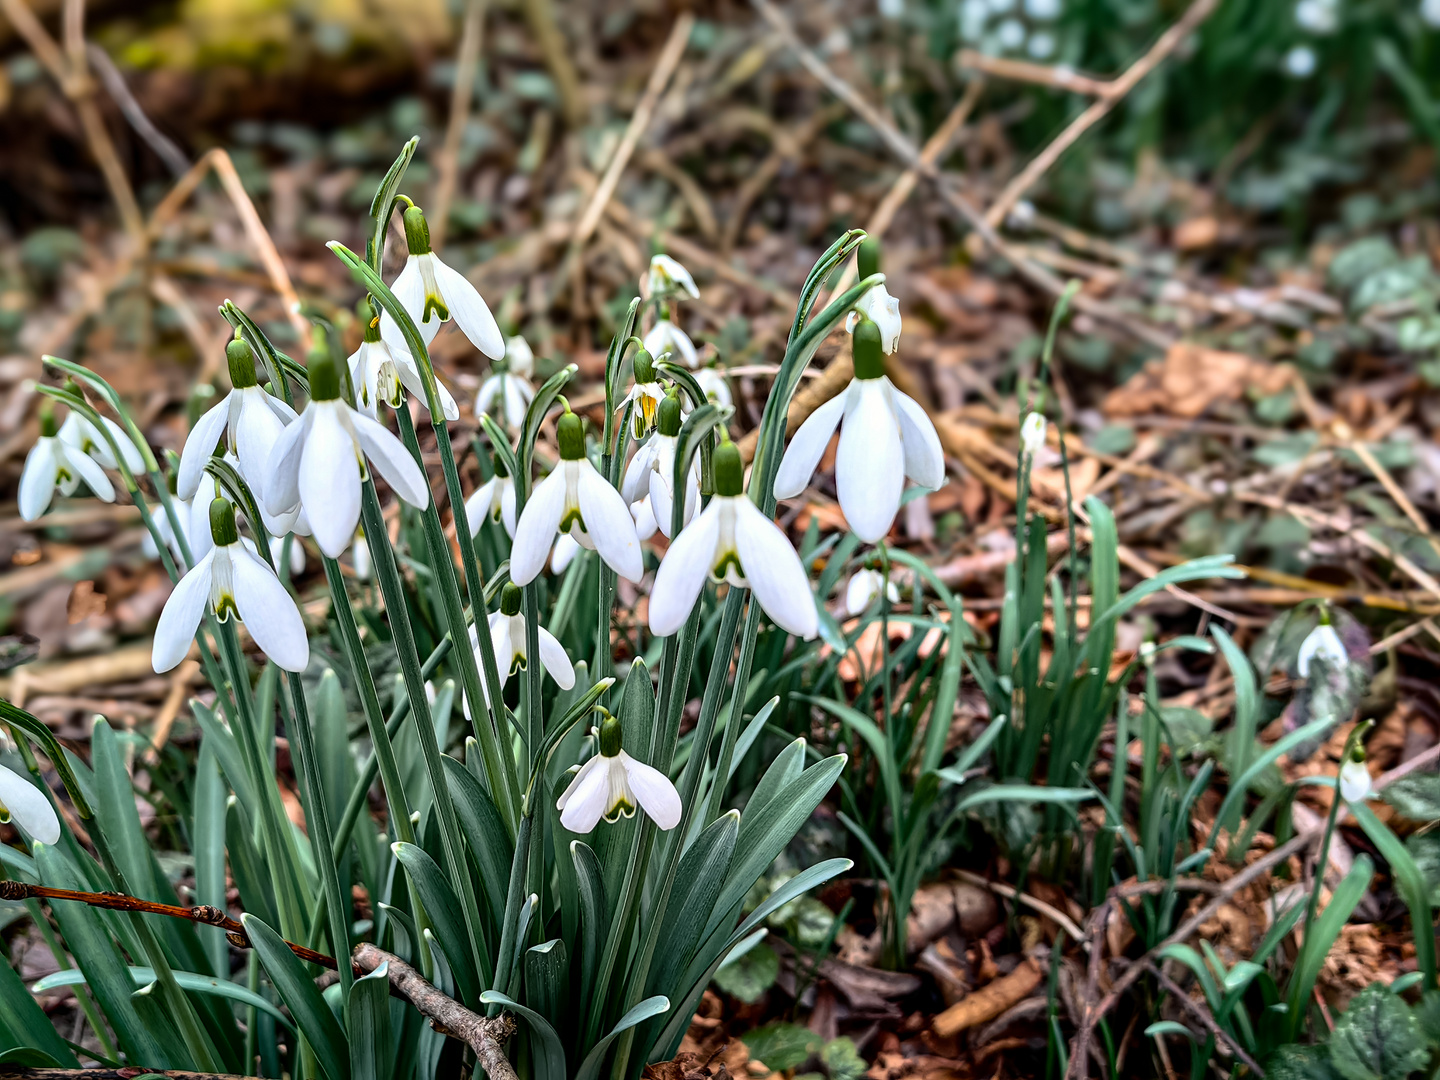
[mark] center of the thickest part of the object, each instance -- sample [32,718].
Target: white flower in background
[1318,16]
[1021,217]
[1300,62]
[505,396]
[864,587]
[360,557]
[892,9]
[519,357]
[508,635]
[665,337]
[669,278]
[646,394]
[379,368]
[575,500]
[645,524]
[712,382]
[317,462]
[1430,12]
[297,554]
[1324,644]
[1044,10]
[612,784]
[54,465]
[433,293]
[732,541]
[1032,434]
[973,16]
[80,433]
[232,579]
[494,499]
[1010,34]
[882,309]
[250,421]
[884,437]
[1355,779]
[22,803]
[651,473]
[563,554]
[1042,45]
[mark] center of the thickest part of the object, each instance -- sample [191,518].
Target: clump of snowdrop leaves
[232,580]
[651,473]
[575,500]
[507,634]
[54,464]
[612,784]
[884,436]
[494,499]
[865,587]
[22,803]
[732,541]
[317,462]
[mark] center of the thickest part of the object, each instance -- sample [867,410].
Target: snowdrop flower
[563,554]
[519,357]
[24,804]
[1032,434]
[646,394]
[1430,12]
[432,293]
[665,337]
[732,541]
[864,587]
[250,420]
[1011,34]
[360,556]
[297,554]
[713,383]
[494,499]
[1355,778]
[876,305]
[1317,16]
[54,464]
[318,460]
[508,634]
[80,433]
[651,473]
[1324,644]
[884,436]
[644,513]
[379,368]
[612,784]
[1300,62]
[233,580]
[575,500]
[505,396]
[669,278]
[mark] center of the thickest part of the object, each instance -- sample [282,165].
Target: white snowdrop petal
[282,471]
[469,310]
[584,770]
[870,464]
[536,529]
[1355,782]
[924,457]
[409,289]
[330,480]
[391,460]
[517,400]
[566,548]
[199,445]
[37,479]
[774,571]
[653,791]
[609,524]
[860,591]
[645,524]
[28,807]
[134,461]
[636,483]
[683,571]
[93,475]
[477,506]
[269,612]
[556,660]
[507,506]
[256,431]
[807,447]
[181,615]
[587,798]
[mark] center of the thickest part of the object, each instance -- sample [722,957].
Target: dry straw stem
[461,95]
[1057,76]
[989,1001]
[540,14]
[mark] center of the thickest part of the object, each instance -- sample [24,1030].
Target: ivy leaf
[1378,1038]
[781,1046]
[750,976]
[1296,1062]
[841,1060]
[1416,796]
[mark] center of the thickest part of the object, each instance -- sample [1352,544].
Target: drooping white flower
[864,587]
[665,337]
[232,580]
[644,513]
[297,554]
[80,433]
[508,635]
[1430,13]
[24,804]
[505,396]
[883,310]
[563,554]
[1010,34]
[1322,643]
[519,357]
[575,500]
[1317,16]
[884,437]
[713,383]
[612,784]
[646,394]
[250,421]
[379,368]
[650,475]
[494,499]
[317,462]
[669,278]
[55,465]
[1032,434]
[731,540]
[360,556]
[433,293]
[1355,780]
[1300,62]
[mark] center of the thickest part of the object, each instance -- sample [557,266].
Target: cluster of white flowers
[669,281]
[1012,27]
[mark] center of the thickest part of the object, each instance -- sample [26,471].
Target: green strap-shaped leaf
[367,1022]
[296,987]
[1320,935]
[383,203]
[443,908]
[644,1010]
[26,1023]
[188,980]
[485,834]
[544,1042]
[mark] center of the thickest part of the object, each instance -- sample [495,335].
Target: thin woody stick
[1056,75]
[461,94]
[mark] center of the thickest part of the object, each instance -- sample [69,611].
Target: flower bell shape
[507,634]
[52,465]
[494,499]
[864,587]
[646,394]
[297,554]
[575,500]
[505,396]
[884,436]
[1355,782]
[612,784]
[644,513]
[80,433]
[319,462]
[249,419]
[665,337]
[380,367]
[732,541]
[519,357]
[875,304]
[232,580]
[712,383]
[1324,644]
[1032,434]
[433,293]
[360,555]
[22,803]
[563,553]
[652,470]
[195,527]
[668,278]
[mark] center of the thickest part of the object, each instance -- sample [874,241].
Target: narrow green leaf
[549,1054]
[367,1023]
[188,980]
[443,908]
[296,987]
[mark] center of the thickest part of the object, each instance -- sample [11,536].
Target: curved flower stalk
[248,419]
[494,499]
[380,367]
[22,803]
[231,579]
[864,587]
[507,634]
[647,393]
[884,436]
[665,338]
[317,462]
[667,278]
[575,500]
[733,541]
[434,293]
[651,472]
[55,465]
[612,784]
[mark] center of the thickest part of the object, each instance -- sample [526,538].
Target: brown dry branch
[1056,75]
[1202,1014]
[461,95]
[24,1072]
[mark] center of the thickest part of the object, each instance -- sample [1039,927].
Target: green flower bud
[667,416]
[644,367]
[324,378]
[498,463]
[570,433]
[610,736]
[417,231]
[222,523]
[865,344]
[729,470]
[242,364]
[510,597]
[867,257]
[47,419]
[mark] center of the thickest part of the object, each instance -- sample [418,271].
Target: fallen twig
[1200,1013]
[461,95]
